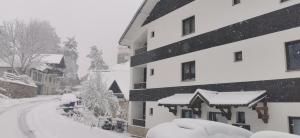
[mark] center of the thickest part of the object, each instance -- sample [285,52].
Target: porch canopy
[223,101]
[213,98]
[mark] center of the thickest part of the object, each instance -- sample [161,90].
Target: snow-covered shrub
[97,98]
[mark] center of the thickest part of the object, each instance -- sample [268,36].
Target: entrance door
[294,125]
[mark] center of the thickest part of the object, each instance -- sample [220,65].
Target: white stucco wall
[209,15]
[264,58]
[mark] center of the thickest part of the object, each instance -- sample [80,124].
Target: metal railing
[138,122]
[140,50]
[141,85]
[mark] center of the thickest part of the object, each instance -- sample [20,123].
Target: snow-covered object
[3,96]
[51,58]
[68,98]
[273,134]
[216,98]
[196,128]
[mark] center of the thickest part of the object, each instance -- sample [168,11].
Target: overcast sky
[92,22]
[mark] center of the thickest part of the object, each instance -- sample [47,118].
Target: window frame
[191,21]
[287,55]
[191,76]
[236,2]
[238,119]
[152,72]
[236,55]
[191,115]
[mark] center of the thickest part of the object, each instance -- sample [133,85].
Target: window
[187,114]
[294,123]
[188,26]
[151,72]
[293,55]
[151,112]
[40,77]
[217,116]
[188,71]
[34,76]
[235,2]
[238,56]
[241,118]
[152,34]
[283,1]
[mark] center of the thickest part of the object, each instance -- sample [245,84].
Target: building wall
[209,15]
[264,58]
[16,90]
[49,82]
[279,113]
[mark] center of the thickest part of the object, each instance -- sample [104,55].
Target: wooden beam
[226,111]
[263,112]
[172,109]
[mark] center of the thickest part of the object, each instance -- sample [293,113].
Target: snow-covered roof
[51,58]
[230,98]
[213,98]
[119,73]
[177,99]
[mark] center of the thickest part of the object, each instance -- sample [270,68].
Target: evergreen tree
[97,62]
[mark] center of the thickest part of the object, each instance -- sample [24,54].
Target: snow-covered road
[38,118]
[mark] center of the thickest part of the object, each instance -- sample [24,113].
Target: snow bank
[68,98]
[273,134]
[196,128]
[3,96]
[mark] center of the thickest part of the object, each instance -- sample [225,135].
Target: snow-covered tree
[97,98]
[71,55]
[24,42]
[97,62]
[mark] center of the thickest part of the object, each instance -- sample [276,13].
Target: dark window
[235,2]
[151,72]
[241,118]
[238,56]
[152,34]
[212,116]
[151,112]
[188,71]
[145,74]
[186,114]
[293,55]
[294,123]
[283,1]
[188,26]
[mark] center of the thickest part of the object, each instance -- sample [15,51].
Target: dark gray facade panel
[163,7]
[283,90]
[276,21]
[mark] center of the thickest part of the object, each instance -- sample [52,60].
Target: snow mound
[196,128]
[273,134]
[68,98]
[3,96]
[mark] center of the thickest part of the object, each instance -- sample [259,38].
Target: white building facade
[220,46]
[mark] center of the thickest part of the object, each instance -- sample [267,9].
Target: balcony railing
[138,122]
[242,126]
[141,85]
[140,50]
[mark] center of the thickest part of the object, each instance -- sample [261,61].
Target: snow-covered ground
[38,118]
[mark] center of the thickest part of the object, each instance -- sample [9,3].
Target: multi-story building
[233,61]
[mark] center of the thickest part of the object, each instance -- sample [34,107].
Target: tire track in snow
[23,125]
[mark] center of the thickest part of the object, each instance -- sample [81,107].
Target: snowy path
[46,122]
[12,118]
[38,118]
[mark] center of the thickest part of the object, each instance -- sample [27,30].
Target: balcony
[140,51]
[141,85]
[138,122]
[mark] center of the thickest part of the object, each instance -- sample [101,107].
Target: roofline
[132,21]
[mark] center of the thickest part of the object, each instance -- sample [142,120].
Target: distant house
[117,79]
[48,73]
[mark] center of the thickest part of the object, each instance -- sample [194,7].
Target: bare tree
[23,43]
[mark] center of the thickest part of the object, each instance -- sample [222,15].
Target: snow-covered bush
[97,98]
[196,128]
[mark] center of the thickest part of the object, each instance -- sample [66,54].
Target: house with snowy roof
[232,61]
[47,73]
[5,67]
[117,80]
